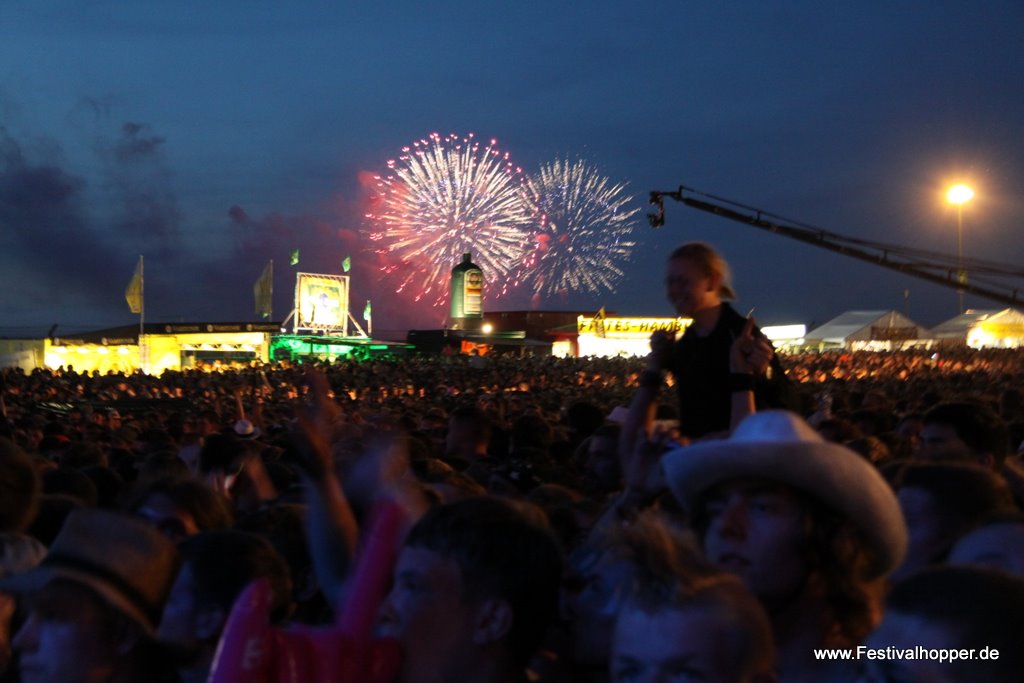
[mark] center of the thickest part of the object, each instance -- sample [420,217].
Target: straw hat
[129,564]
[779,446]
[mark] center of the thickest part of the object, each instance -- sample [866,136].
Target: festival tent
[983,329]
[165,346]
[868,330]
[26,354]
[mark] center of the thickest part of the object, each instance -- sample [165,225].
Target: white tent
[26,354]
[983,328]
[880,330]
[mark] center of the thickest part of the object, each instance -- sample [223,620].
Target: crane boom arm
[938,268]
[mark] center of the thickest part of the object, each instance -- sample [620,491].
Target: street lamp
[959,194]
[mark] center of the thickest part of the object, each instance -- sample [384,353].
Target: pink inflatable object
[252,651]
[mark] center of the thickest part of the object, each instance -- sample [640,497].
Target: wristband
[650,379]
[741,381]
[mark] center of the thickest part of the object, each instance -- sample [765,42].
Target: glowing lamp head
[958,194]
[487,328]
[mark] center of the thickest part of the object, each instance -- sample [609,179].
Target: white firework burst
[583,235]
[441,198]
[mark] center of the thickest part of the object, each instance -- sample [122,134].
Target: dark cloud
[42,193]
[37,193]
[146,212]
[67,235]
[99,107]
[49,232]
[135,144]
[238,215]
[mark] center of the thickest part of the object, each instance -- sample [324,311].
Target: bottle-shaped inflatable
[467,293]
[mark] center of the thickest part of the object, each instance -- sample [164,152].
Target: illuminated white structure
[603,337]
[983,329]
[869,331]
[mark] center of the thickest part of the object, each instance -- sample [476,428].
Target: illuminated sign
[321,301]
[474,293]
[784,332]
[632,326]
[118,341]
[906,333]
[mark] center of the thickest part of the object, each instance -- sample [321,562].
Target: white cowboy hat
[779,446]
[246,430]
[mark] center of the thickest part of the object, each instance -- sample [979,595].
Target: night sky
[213,136]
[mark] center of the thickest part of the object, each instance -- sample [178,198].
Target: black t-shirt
[700,366]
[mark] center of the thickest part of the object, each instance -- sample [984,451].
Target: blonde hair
[710,262]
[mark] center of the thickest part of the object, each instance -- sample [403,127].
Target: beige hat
[126,562]
[779,446]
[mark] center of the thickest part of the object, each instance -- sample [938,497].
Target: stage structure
[321,306]
[320,324]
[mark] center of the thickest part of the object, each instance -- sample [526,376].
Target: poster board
[321,302]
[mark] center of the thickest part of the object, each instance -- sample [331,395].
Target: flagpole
[270,308]
[142,313]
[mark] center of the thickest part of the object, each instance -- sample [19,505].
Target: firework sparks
[441,198]
[583,233]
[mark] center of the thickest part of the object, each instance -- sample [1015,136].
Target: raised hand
[750,352]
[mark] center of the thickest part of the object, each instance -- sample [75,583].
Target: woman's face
[689,288]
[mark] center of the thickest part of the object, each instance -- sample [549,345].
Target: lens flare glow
[958,194]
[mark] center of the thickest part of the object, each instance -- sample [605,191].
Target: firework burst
[582,237]
[441,198]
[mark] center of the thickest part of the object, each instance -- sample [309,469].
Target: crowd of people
[713,512]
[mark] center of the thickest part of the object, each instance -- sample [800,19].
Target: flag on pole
[133,293]
[346,265]
[367,313]
[263,292]
[599,323]
[294,260]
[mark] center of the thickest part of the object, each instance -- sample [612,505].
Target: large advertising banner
[321,301]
